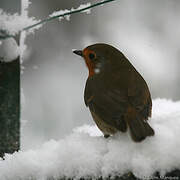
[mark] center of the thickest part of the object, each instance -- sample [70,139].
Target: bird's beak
[78,52]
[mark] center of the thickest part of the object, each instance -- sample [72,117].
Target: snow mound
[9,50]
[85,153]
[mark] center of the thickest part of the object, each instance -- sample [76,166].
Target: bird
[117,95]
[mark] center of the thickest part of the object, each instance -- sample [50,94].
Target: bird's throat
[91,67]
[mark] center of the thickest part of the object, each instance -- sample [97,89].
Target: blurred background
[147,32]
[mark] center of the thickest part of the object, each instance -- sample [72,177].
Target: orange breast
[89,63]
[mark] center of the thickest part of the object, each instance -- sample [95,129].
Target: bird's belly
[103,126]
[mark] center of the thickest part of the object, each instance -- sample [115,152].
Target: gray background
[147,32]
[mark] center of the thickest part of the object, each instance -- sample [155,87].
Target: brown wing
[111,102]
[107,103]
[138,94]
[140,107]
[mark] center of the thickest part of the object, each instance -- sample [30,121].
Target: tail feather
[139,129]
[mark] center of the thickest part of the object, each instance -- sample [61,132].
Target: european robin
[116,94]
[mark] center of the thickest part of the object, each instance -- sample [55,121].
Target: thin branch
[61,15]
[68,13]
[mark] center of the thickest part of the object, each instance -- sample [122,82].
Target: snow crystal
[23,46]
[9,50]
[57,13]
[82,6]
[91,130]
[67,17]
[24,6]
[86,153]
[12,24]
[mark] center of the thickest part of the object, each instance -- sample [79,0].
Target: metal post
[9,106]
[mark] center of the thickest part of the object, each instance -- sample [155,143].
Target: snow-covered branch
[10,25]
[85,153]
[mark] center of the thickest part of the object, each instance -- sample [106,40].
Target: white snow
[24,7]
[12,24]
[85,153]
[82,6]
[67,17]
[9,50]
[24,13]
[57,13]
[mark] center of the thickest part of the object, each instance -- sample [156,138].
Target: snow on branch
[86,153]
[10,25]
[65,13]
[61,14]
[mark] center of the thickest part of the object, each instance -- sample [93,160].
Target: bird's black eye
[91,56]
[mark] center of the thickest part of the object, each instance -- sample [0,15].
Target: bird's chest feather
[109,81]
[103,87]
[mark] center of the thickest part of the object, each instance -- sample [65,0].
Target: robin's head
[98,57]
